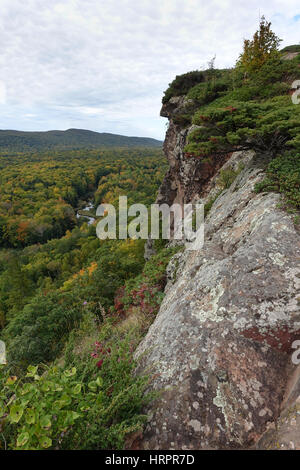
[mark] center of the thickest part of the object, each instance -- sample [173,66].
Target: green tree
[257,51]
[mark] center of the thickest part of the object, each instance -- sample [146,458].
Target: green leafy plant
[283,176]
[42,407]
[92,404]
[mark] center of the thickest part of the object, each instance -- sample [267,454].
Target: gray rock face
[187,176]
[220,347]
[285,435]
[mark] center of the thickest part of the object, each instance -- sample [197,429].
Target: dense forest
[39,193]
[57,277]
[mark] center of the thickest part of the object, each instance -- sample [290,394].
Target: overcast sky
[104,64]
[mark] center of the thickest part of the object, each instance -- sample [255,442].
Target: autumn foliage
[257,51]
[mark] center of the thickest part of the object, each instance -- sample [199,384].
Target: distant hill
[292,48]
[70,139]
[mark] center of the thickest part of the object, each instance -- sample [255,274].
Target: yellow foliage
[92,267]
[257,51]
[83,272]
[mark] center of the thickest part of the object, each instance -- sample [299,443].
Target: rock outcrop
[187,177]
[220,348]
[284,434]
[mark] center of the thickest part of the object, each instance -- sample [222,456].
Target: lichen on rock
[219,350]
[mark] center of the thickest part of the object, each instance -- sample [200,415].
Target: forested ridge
[19,141]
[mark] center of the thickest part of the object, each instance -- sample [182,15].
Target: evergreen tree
[257,51]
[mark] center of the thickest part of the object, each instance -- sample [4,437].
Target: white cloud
[104,65]
[2,93]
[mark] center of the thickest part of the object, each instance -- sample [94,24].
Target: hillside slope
[69,139]
[220,349]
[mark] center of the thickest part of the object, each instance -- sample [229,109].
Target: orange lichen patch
[280,339]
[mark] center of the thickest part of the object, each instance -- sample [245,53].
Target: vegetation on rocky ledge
[249,107]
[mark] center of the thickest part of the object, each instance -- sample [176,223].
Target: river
[90,220]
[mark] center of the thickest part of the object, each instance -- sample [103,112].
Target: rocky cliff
[220,348]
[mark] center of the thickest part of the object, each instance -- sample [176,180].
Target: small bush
[271,126]
[228,175]
[283,176]
[182,119]
[146,291]
[207,92]
[182,83]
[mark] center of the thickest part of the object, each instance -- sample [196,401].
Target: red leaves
[188,154]
[144,297]
[204,118]
[100,351]
[118,304]
[231,109]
